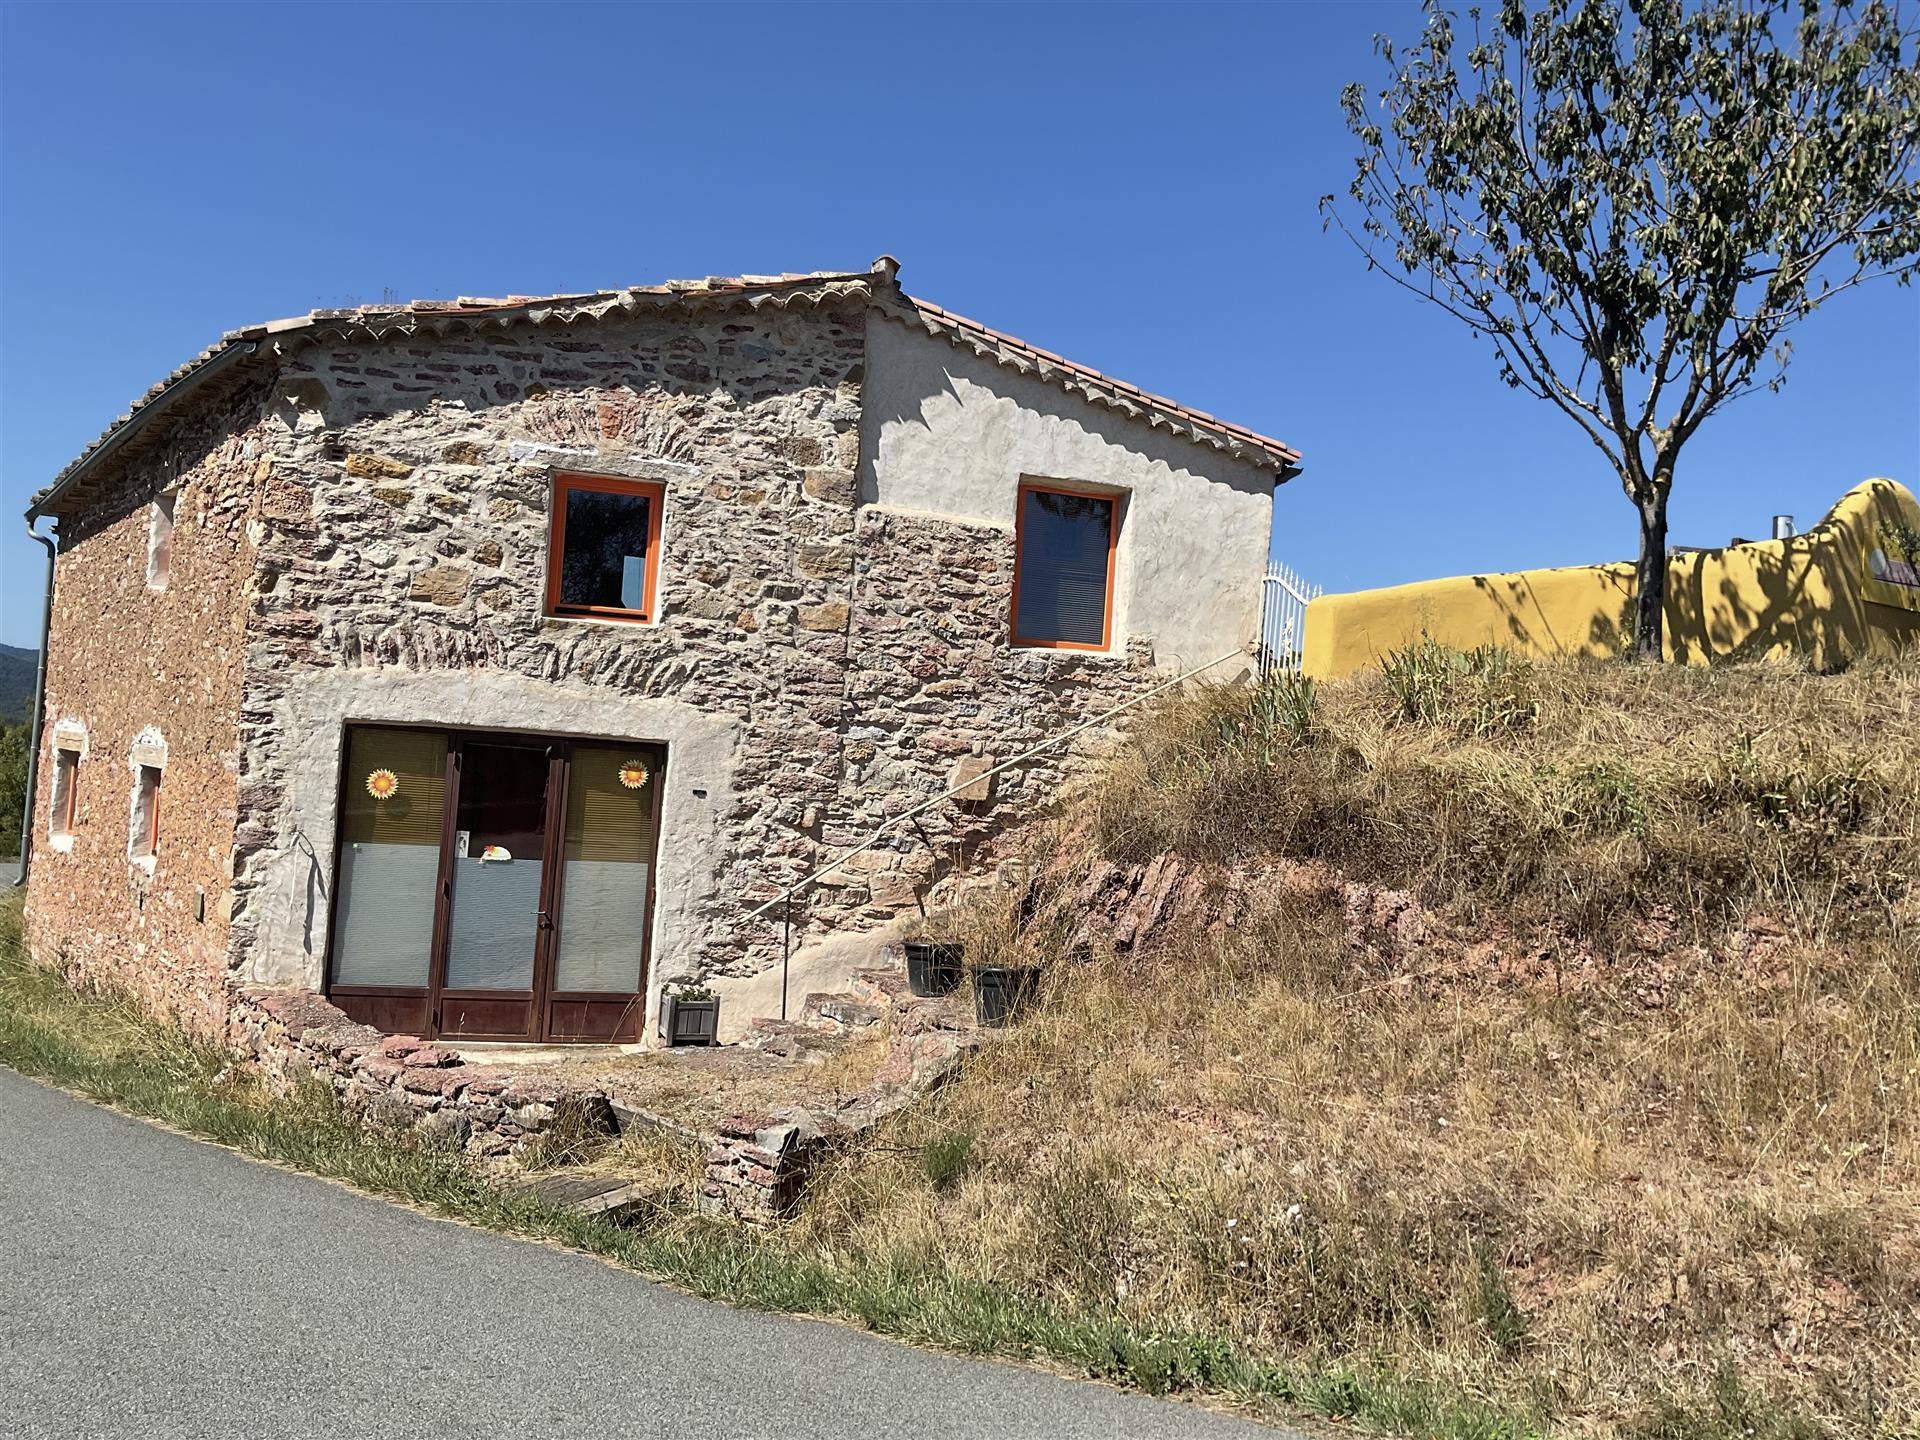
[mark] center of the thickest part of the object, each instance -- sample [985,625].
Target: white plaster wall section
[948,432]
[292,908]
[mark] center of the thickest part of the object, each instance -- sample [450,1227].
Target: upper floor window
[603,558]
[1064,544]
[160,539]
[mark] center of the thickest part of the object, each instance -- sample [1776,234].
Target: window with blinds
[395,808]
[1063,568]
[608,867]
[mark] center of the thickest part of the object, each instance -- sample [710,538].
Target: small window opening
[66,793]
[160,540]
[604,557]
[144,842]
[1064,543]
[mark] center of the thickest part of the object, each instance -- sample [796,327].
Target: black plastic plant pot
[690,1022]
[1000,991]
[934,968]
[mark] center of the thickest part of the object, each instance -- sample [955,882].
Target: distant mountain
[17,669]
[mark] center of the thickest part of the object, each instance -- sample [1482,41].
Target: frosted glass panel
[385,932]
[499,842]
[395,795]
[603,926]
[496,915]
[609,861]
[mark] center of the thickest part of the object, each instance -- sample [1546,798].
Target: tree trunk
[1650,580]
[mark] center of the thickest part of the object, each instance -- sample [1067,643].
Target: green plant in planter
[690,1015]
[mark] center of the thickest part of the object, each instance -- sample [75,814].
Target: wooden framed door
[607,842]
[462,857]
[493,945]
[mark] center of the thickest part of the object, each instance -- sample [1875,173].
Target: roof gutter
[149,410]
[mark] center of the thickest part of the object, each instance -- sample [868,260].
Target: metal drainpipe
[39,704]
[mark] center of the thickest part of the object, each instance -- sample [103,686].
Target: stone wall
[936,692]
[127,661]
[412,541]
[860,657]
[370,531]
[291,1037]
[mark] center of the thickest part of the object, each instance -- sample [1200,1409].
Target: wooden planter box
[690,1022]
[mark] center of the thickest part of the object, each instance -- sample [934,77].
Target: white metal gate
[1283,617]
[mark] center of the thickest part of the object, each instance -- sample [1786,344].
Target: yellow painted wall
[1814,595]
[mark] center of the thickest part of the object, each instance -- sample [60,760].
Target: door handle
[545,921]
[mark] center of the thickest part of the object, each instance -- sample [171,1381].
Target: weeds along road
[152,1285]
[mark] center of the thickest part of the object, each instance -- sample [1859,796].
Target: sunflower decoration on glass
[634,774]
[383,784]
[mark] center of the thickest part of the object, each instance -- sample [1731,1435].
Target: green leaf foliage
[1637,200]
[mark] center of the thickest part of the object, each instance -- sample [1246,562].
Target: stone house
[482,663]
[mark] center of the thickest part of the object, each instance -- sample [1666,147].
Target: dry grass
[1685,1210]
[700,1087]
[1586,795]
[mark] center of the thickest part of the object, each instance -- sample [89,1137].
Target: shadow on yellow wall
[1848,586]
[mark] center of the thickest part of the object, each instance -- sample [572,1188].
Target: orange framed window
[603,552]
[1065,542]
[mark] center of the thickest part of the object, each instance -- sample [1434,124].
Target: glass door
[392,815]
[497,919]
[494,887]
[605,892]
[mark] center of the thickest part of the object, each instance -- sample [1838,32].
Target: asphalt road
[151,1285]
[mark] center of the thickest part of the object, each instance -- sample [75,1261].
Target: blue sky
[1132,187]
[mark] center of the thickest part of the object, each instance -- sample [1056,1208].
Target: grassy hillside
[16,682]
[1548,1035]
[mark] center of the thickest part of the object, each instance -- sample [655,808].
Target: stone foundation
[293,1036]
[757,1165]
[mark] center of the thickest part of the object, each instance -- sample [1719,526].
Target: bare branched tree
[1637,200]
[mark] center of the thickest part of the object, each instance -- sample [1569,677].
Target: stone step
[630,1118]
[586,1194]
[842,1009]
[789,1039]
[886,983]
